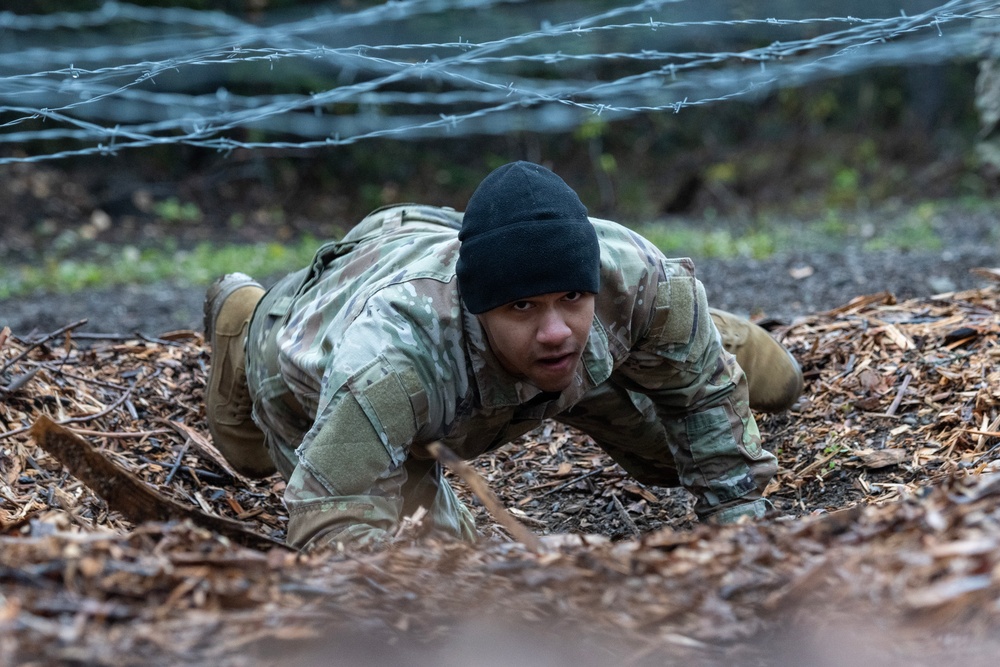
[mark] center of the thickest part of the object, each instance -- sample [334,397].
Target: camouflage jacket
[374,344]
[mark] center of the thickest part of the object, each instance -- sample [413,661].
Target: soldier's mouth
[558,363]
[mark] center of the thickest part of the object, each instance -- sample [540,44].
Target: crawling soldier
[425,324]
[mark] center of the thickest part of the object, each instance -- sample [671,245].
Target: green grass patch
[130,265]
[915,228]
[684,240]
[910,228]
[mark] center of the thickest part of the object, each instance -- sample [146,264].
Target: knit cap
[525,233]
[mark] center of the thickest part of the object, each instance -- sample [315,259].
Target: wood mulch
[884,543]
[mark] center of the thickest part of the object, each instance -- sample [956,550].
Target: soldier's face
[541,338]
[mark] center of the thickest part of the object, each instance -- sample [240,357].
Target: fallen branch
[127,494]
[478,485]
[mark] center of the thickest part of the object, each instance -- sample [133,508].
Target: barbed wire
[140,77]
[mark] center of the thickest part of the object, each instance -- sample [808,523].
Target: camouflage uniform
[357,360]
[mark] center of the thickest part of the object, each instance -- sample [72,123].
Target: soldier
[423,324]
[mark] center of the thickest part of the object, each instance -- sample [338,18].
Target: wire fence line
[125,77]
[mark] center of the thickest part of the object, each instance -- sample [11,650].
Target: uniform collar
[500,389]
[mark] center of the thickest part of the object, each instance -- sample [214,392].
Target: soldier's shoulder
[624,249]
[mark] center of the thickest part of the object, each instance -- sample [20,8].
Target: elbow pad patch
[680,304]
[367,432]
[387,403]
[346,455]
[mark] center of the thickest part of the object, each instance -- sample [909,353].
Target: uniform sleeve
[355,479]
[346,486]
[701,397]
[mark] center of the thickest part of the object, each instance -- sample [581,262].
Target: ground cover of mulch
[884,543]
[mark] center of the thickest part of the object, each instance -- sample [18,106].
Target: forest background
[804,186]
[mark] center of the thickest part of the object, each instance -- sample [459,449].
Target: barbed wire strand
[182,84]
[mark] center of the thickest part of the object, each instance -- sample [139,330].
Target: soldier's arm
[701,397]
[354,463]
[346,486]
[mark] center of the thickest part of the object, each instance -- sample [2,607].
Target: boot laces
[241,399]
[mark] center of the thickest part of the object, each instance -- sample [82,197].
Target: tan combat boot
[229,304]
[773,375]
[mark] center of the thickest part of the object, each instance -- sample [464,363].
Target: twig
[76,420]
[41,341]
[899,395]
[478,485]
[572,481]
[206,448]
[817,464]
[985,455]
[157,341]
[86,418]
[200,474]
[123,337]
[119,337]
[625,517]
[115,435]
[177,463]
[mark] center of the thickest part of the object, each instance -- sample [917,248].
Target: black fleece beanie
[525,233]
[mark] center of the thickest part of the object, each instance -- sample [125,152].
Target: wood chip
[882,458]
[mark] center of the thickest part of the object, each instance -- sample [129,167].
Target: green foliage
[845,190]
[131,265]
[834,225]
[174,210]
[910,229]
[722,173]
[677,240]
[593,127]
[915,231]
[608,163]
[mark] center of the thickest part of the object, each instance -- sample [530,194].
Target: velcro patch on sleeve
[387,404]
[682,305]
[347,454]
[674,311]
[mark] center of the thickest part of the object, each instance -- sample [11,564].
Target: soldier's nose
[553,330]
